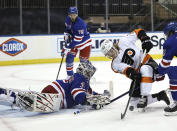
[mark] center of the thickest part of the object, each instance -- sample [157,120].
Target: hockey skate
[7,97]
[133,103]
[162,96]
[142,104]
[171,110]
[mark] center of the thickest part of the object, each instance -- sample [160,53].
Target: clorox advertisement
[13,47]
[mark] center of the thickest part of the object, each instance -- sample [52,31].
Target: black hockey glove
[132,74]
[146,43]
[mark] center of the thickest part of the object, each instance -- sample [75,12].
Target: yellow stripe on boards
[42,61]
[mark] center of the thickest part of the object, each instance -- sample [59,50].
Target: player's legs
[172,109]
[49,89]
[160,96]
[145,85]
[85,55]
[55,88]
[70,61]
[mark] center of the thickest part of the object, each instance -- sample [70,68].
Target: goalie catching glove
[98,101]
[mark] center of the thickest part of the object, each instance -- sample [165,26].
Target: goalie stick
[118,97]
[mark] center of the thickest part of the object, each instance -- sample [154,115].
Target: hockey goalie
[59,94]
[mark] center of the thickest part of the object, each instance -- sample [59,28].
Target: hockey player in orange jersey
[126,59]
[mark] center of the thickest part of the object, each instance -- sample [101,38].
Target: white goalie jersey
[129,54]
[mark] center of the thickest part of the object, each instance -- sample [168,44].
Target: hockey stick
[118,97]
[131,93]
[132,89]
[60,66]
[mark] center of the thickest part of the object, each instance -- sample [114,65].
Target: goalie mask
[86,69]
[108,49]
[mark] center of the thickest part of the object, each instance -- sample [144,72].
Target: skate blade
[170,113]
[141,110]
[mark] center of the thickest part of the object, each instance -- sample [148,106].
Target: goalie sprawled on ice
[59,94]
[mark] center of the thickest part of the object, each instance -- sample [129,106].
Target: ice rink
[35,77]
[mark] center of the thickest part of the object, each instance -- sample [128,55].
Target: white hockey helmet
[108,49]
[86,69]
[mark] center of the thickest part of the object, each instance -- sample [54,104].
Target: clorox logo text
[13,47]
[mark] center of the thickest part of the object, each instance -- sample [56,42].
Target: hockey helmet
[170,27]
[108,49]
[86,69]
[73,10]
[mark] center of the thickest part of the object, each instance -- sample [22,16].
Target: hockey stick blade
[122,116]
[131,93]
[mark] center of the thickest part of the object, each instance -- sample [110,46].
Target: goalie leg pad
[40,102]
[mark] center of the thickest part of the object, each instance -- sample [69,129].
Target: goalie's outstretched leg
[7,97]
[10,97]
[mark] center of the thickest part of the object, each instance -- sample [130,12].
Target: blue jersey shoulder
[171,42]
[170,46]
[80,22]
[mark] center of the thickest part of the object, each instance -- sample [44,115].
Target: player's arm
[166,61]
[67,36]
[97,100]
[78,91]
[146,43]
[85,96]
[67,33]
[126,69]
[78,36]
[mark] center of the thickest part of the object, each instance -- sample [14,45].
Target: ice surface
[35,77]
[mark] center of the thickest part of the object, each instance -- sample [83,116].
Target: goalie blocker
[59,94]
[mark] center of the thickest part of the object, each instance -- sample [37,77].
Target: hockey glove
[132,74]
[97,101]
[159,77]
[65,51]
[146,43]
[67,39]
